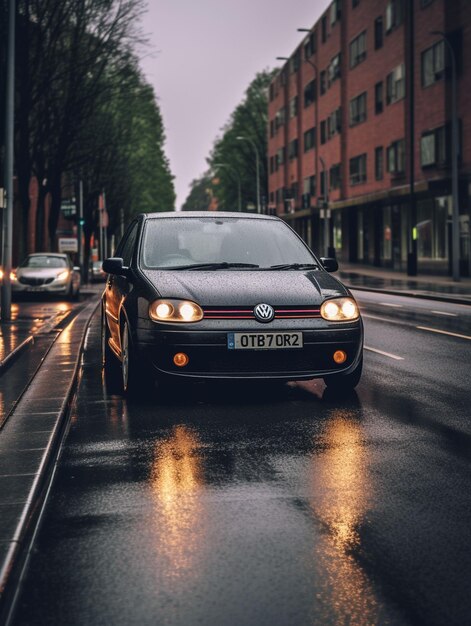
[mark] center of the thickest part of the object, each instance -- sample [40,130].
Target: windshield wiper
[214,266]
[293,266]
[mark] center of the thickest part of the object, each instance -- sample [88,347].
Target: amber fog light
[340,357]
[181,359]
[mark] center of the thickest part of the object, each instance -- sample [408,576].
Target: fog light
[181,359]
[340,356]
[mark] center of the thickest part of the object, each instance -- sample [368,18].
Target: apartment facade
[359,137]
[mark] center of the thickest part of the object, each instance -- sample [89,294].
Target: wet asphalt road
[260,505]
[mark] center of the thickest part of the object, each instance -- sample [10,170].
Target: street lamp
[233,169]
[326,209]
[257,165]
[455,230]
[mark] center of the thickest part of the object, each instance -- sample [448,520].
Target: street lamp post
[325,209]
[257,165]
[239,194]
[7,222]
[455,225]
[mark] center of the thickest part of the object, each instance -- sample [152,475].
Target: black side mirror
[114,265]
[329,264]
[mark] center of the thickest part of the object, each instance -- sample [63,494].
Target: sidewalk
[383,280]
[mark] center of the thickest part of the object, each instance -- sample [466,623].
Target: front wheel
[110,363]
[343,383]
[137,383]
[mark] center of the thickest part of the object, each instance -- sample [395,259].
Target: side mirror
[114,265]
[329,264]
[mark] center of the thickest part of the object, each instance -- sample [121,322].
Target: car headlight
[12,276]
[340,310]
[175,311]
[63,275]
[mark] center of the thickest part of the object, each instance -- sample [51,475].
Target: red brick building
[349,127]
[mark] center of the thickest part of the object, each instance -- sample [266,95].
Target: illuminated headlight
[340,310]
[175,311]
[63,275]
[12,276]
[1,274]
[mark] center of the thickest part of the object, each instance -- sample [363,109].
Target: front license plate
[264,341]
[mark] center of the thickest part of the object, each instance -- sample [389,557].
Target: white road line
[443,332]
[445,313]
[391,356]
[396,306]
[384,319]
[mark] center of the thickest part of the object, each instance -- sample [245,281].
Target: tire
[136,382]
[110,363]
[344,383]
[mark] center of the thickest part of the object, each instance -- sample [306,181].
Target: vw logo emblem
[264,313]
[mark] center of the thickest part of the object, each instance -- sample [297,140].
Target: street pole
[326,209]
[257,165]
[80,229]
[8,211]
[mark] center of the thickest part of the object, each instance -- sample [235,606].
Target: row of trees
[232,161]
[83,110]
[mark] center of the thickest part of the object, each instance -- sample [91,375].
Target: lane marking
[391,356]
[396,306]
[443,332]
[445,313]
[384,319]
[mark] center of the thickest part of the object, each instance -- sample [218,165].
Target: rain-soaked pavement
[224,504]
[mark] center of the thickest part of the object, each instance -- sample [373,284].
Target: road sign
[69,207]
[68,244]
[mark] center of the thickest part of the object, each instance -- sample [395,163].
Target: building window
[293,107]
[355,3]
[323,82]
[333,70]
[272,128]
[358,109]
[379,97]
[324,28]
[272,164]
[309,139]
[295,62]
[309,93]
[396,85]
[323,179]
[280,118]
[394,14]
[358,49]
[335,11]
[280,157]
[310,45]
[379,32]
[435,147]
[358,170]
[293,149]
[379,163]
[335,177]
[433,64]
[323,133]
[272,91]
[334,123]
[396,157]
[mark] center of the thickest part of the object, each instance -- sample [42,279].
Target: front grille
[246,313]
[34,282]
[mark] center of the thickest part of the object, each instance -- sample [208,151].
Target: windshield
[187,242]
[44,261]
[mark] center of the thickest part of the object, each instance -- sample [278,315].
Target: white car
[47,272]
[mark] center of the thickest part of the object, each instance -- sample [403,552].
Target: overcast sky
[206,53]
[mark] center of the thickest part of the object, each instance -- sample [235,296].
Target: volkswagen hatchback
[225,296]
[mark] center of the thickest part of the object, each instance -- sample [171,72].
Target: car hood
[222,287]
[40,272]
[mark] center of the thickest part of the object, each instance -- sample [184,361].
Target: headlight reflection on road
[177,481]
[341,495]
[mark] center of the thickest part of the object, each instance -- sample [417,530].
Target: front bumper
[209,356]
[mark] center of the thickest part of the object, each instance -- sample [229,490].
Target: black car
[225,296]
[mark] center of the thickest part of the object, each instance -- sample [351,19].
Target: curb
[14,354]
[413,294]
[34,495]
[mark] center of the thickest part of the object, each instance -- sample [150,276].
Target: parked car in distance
[96,272]
[225,296]
[47,273]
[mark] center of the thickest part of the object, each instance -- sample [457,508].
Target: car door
[117,287]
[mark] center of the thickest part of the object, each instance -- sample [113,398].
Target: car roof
[59,254]
[208,214]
